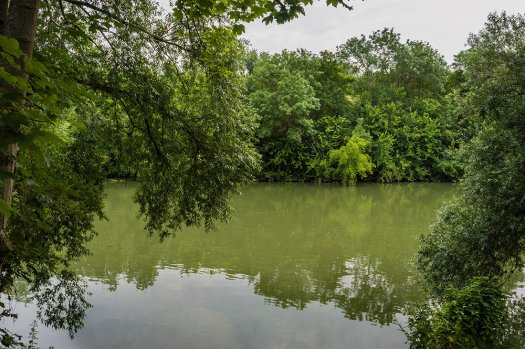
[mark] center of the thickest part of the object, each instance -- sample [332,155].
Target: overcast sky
[445,24]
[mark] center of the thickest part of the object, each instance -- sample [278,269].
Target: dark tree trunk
[18,21]
[4,7]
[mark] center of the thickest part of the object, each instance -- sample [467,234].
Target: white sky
[445,24]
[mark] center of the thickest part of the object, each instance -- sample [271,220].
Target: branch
[346,6]
[128,23]
[279,2]
[63,12]
[158,151]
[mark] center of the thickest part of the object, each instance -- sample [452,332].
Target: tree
[401,98]
[481,233]
[351,160]
[173,83]
[476,316]
[325,73]
[388,70]
[409,144]
[18,21]
[292,92]
[284,99]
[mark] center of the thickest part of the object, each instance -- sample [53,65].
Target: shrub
[476,316]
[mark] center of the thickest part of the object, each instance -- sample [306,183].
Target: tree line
[377,109]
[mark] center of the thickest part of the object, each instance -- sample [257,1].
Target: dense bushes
[397,97]
[476,316]
[401,98]
[349,161]
[482,232]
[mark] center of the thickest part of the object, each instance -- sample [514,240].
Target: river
[297,266]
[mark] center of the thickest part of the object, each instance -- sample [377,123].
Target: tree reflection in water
[295,243]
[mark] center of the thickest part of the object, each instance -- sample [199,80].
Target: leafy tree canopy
[482,231]
[168,84]
[391,70]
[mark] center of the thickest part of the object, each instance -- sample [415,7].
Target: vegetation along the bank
[377,109]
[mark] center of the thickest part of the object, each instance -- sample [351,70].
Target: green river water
[297,266]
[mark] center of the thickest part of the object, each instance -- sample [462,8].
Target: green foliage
[394,93]
[475,316]
[117,90]
[389,70]
[54,207]
[482,231]
[331,133]
[516,328]
[334,85]
[205,158]
[293,92]
[351,160]
[325,74]
[240,11]
[400,100]
[411,144]
[28,106]
[173,110]
[61,302]
[284,101]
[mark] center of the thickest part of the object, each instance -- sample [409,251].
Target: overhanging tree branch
[345,5]
[128,23]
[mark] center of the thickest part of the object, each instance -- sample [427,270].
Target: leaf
[47,136]
[10,60]
[34,67]
[5,208]
[178,14]
[238,29]
[10,46]
[32,182]
[220,7]
[15,81]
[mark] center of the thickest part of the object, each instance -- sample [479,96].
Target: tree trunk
[17,20]
[4,7]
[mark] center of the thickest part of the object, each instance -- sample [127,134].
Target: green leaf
[10,60]
[10,46]
[178,14]
[238,29]
[5,208]
[34,67]
[15,81]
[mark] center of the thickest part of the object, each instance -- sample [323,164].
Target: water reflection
[295,244]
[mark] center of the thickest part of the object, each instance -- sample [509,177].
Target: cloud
[445,24]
